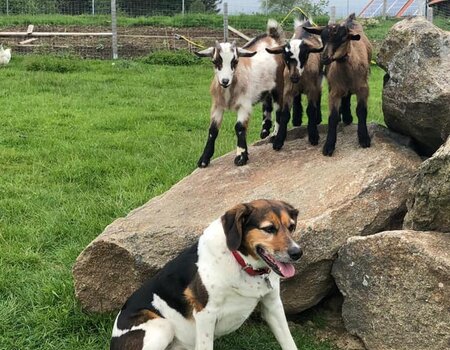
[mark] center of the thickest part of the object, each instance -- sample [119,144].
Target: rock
[429,196]
[416,98]
[355,192]
[396,288]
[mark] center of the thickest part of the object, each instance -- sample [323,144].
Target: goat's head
[336,39]
[295,54]
[225,57]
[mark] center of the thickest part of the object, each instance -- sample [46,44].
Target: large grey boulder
[429,196]
[396,288]
[355,192]
[416,98]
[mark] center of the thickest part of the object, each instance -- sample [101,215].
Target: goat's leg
[361,112]
[241,134]
[345,110]
[216,121]
[283,108]
[311,111]
[333,121]
[297,110]
[319,110]
[267,116]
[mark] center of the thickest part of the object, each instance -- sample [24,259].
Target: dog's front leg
[272,311]
[205,323]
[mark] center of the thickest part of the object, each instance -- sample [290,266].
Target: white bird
[5,56]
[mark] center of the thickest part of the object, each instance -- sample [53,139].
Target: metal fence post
[93,7]
[114,29]
[332,15]
[421,8]
[182,7]
[225,22]
[7,7]
[384,9]
[430,14]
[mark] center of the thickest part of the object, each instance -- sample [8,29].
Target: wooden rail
[46,34]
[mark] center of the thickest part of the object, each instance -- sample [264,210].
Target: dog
[212,287]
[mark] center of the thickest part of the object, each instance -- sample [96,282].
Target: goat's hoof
[319,121]
[364,142]
[296,122]
[277,145]
[264,133]
[314,140]
[328,150]
[347,120]
[203,163]
[241,159]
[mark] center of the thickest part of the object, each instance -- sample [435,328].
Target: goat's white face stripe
[227,53]
[295,50]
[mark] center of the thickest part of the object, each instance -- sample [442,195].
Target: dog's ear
[293,213]
[233,225]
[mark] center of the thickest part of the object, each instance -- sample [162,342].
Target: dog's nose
[295,252]
[225,82]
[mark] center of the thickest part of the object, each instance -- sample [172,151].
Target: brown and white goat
[243,77]
[302,75]
[347,53]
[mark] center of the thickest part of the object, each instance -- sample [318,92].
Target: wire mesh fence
[84,27]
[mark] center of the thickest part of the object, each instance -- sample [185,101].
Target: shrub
[53,64]
[172,58]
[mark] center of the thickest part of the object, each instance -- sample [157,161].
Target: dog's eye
[270,229]
[291,228]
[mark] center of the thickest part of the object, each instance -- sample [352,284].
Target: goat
[302,74]
[346,55]
[243,77]
[5,56]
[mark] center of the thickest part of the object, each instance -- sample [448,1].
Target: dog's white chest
[236,309]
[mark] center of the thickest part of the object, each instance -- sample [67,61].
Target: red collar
[248,268]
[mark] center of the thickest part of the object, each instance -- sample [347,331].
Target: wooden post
[225,22]
[114,30]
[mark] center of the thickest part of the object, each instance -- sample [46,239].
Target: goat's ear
[313,47]
[209,52]
[276,50]
[245,53]
[233,225]
[314,30]
[354,36]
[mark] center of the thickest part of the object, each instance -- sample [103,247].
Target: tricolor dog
[212,287]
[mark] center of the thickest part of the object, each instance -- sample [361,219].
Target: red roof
[434,2]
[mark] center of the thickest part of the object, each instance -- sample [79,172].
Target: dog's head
[263,229]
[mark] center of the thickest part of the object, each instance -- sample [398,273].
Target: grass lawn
[79,149]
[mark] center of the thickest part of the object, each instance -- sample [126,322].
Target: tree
[212,5]
[197,7]
[312,8]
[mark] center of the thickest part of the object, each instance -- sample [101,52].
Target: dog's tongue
[287,270]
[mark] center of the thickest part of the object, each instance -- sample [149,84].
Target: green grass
[80,146]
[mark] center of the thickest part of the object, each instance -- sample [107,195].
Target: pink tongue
[287,270]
